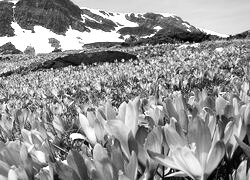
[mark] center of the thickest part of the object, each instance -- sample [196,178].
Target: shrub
[56,44]
[30,50]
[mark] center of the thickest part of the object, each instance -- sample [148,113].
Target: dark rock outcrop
[75,60]
[100,22]
[9,48]
[56,15]
[136,31]
[101,45]
[6,18]
[89,58]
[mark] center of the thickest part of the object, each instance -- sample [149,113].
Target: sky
[223,16]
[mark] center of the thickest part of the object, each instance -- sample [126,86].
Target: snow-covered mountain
[46,24]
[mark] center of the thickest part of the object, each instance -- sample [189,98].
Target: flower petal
[120,131]
[177,174]
[199,134]
[241,171]
[188,163]
[87,129]
[173,139]
[215,155]
[243,146]
[163,160]
[131,117]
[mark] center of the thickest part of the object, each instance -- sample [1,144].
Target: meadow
[181,111]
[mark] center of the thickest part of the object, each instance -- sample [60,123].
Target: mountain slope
[243,35]
[34,22]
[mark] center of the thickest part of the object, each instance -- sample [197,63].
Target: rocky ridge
[33,21]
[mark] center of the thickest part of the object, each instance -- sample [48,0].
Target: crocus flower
[195,155]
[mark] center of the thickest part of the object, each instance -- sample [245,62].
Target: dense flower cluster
[180,110]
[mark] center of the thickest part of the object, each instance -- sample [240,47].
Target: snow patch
[168,15]
[13,1]
[73,39]
[118,18]
[214,33]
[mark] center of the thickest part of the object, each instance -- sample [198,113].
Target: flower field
[179,112]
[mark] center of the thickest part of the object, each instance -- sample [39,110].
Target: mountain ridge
[33,21]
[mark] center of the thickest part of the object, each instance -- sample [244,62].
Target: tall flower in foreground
[195,156]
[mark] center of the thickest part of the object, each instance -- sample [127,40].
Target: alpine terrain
[49,25]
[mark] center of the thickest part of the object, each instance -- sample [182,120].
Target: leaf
[121,132]
[236,128]
[99,153]
[173,139]
[122,112]
[76,161]
[6,123]
[44,174]
[106,170]
[220,104]
[37,139]
[132,144]
[65,172]
[21,174]
[147,175]
[91,118]
[199,134]
[170,109]
[177,174]
[11,154]
[109,111]
[131,118]
[40,156]
[4,168]
[214,157]
[22,117]
[132,167]
[247,120]
[116,156]
[241,172]
[141,135]
[185,159]
[209,102]
[26,136]
[163,160]
[87,129]
[58,125]
[155,114]
[183,119]
[154,140]
[27,161]
[123,177]
[99,130]
[243,146]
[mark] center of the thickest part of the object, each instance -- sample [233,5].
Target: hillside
[33,22]
[243,35]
